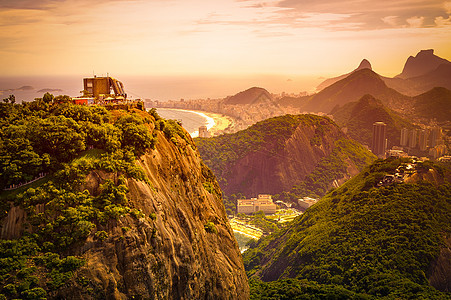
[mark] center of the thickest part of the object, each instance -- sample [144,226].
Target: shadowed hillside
[277,154]
[252,96]
[434,104]
[364,64]
[352,88]
[363,241]
[359,117]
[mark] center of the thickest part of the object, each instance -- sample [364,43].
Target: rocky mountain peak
[364,64]
[425,61]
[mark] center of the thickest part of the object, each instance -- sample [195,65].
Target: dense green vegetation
[317,183]
[39,137]
[359,239]
[359,117]
[66,142]
[270,136]
[267,135]
[434,104]
[297,289]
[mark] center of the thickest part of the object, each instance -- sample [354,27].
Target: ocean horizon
[161,88]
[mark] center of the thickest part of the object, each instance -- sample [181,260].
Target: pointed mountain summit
[364,64]
[424,62]
[352,88]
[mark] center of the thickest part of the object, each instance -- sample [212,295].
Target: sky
[292,38]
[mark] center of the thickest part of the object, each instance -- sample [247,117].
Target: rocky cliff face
[285,150]
[173,256]
[269,172]
[425,61]
[181,247]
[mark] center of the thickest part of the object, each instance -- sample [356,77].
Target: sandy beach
[216,122]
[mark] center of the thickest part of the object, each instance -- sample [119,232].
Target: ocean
[161,88]
[191,120]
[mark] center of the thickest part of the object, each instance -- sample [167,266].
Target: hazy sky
[180,37]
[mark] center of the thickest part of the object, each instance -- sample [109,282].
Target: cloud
[49,4]
[25,4]
[447,6]
[390,20]
[415,22]
[441,22]
[361,14]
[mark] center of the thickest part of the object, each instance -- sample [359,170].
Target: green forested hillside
[359,117]
[362,241]
[291,155]
[267,135]
[434,104]
[65,142]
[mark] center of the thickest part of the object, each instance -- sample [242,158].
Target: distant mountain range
[352,88]
[423,63]
[421,74]
[439,77]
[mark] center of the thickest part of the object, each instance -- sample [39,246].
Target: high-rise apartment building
[413,137]
[435,137]
[423,139]
[379,143]
[404,141]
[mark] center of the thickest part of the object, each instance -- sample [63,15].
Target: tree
[47,98]
[10,99]
[62,99]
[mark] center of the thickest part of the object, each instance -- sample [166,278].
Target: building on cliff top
[263,202]
[105,91]
[103,88]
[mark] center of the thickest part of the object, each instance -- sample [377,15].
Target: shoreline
[221,122]
[215,122]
